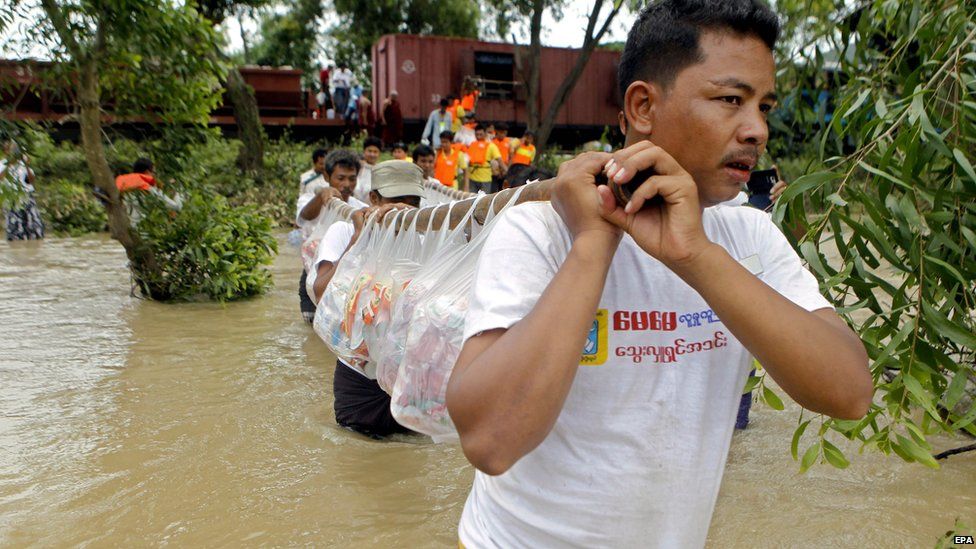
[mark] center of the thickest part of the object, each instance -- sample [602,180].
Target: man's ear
[640,104]
[374,198]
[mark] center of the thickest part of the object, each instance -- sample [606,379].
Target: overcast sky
[567,32]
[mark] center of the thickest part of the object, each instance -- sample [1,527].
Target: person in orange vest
[525,151]
[449,160]
[504,145]
[469,93]
[142,178]
[483,157]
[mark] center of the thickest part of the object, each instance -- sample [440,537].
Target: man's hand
[576,200]
[328,193]
[671,232]
[361,216]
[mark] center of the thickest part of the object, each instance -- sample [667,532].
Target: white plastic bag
[438,246]
[434,337]
[331,311]
[372,292]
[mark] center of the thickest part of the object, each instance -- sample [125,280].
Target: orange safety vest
[478,151]
[134,182]
[446,167]
[469,100]
[504,145]
[524,154]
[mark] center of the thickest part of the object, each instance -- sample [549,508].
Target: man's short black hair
[399,145]
[665,38]
[373,141]
[421,150]
[318,153]
[479,126]
[501,127]
[446,134]
[344,158]
[444,102]
[142,165]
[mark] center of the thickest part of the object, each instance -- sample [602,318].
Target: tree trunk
[141,257]
[566,87]
[249,129]
[533,83]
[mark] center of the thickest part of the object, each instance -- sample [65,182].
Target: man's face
[479,135]
[399,154]
[501,134]
[713,118]
[371,154]
[426,163]
[445,144]
[529,139]
[319,164]
[343,179]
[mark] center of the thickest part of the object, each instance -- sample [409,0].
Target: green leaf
[964,164]
[956,387]
[960,335]
[858,102]
[952,270]
[917,453]
[809,457]
[771,398]
[797,435]
[922,397]
[834,456]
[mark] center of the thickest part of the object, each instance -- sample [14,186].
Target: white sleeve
[303,200]
[519,259]
[783,270]
[334,243]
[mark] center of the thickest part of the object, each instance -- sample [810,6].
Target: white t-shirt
[342,78]
[311,180]
[636,456]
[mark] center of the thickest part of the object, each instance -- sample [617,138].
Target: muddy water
[125,422]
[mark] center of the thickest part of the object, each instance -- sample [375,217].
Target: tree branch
[955,451]
[61,26]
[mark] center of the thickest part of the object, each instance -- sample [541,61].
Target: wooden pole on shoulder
[538,191]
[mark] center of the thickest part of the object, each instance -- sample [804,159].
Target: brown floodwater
[130,423]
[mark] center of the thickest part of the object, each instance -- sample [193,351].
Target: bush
[208,249]
[69,208]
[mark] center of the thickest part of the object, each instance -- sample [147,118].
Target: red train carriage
[422,69]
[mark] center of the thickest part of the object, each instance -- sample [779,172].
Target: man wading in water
[625,447]
[360,403]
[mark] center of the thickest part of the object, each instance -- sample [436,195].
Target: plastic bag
[370,300]
[438,297]
[394,270]
[437,246]
[331,310]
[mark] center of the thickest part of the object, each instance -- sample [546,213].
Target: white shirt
[311,179]
[636,456]
[342,78]
[364,182]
